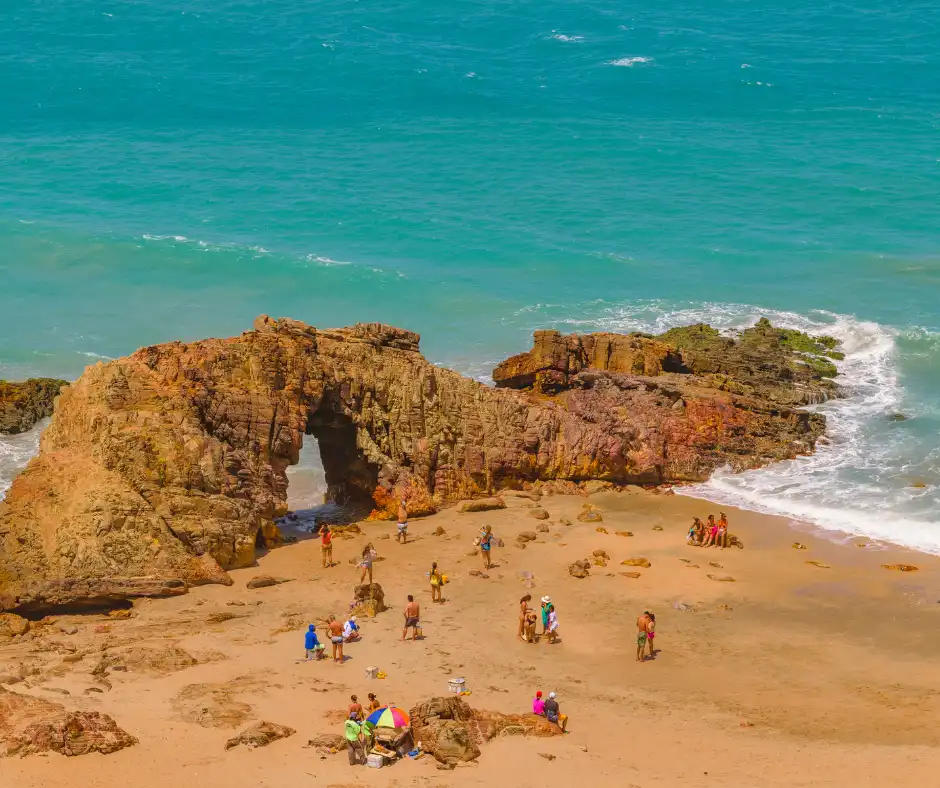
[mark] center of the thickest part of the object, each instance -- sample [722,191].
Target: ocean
[477,170]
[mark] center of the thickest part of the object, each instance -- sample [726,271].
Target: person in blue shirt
[315,649]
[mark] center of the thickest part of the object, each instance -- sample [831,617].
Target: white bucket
[372,672]
[375,761]
[457,685]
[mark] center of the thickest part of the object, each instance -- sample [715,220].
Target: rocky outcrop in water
[23,404]
[163,469]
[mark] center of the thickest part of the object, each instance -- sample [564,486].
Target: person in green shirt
[354,746]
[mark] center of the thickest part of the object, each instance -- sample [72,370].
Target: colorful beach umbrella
[389,717]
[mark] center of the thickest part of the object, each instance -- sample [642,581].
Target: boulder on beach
[591,517]
[580,569]
[261,734]
[481,505]
[642,562]
[539,514]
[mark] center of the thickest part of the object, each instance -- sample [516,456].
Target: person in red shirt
[326,546]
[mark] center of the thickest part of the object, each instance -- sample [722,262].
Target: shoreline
[835,663]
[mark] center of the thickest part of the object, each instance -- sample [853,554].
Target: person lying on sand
[553,713]
[314,648]
[412,618]
[351,630]
[335,630]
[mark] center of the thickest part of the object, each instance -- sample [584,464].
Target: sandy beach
[793,675]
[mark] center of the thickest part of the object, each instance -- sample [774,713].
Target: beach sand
[792,675]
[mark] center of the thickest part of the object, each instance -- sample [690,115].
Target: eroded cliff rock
[23,404]
[163,469]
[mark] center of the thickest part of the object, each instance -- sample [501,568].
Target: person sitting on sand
[326,546]
[315,649]
[437,580]
[486,545]
[538,705]
[336,638]
[722,539]
[553,713]
[523,609]
[365,561]
[711,531]
[641,634]
[351,630]
[373,704]
[552,625]
[696,533]
[402,521]
[412,618]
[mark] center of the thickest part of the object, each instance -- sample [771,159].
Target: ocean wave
[857,483]
[629,62]
[568,39]
[15,452]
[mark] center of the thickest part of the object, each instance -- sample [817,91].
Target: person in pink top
[538,705]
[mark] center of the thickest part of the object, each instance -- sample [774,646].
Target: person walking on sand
[437,581]
[336,638]
[523,610]
[365,561]
[312,645]
[641,634]
[402,521]
[412,618]
[326,546]
[486,545]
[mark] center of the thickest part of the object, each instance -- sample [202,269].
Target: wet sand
[792,675]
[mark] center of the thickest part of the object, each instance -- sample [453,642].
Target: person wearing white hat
[553,713]
[546,601]
[351,630]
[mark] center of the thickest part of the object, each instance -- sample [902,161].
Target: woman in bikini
[436,582]
[650,634]
[486,544]
[722,530]
[523,610]
[711,529]
[365,561]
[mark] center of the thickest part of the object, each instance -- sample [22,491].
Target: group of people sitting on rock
[710,534]
[528,619]
[550,710]
[347,632]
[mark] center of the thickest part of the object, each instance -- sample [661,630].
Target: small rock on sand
[601,554]
[591,517]
[899,567]
[631,575]
[657,528]
[527,536]
[643,562]
[539,514]
[481,505]
[579,569]
[798,546]
[820,564]
[439,531]
[624,533]
[542,528]
[721,578]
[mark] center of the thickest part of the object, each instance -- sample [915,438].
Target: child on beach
[486,545]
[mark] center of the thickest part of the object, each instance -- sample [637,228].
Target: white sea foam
[568,39]
[630,62]
[15,452]
[859,482]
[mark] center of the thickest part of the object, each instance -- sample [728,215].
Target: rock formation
[451,731]
[31,725]
[163,469]
[23,404]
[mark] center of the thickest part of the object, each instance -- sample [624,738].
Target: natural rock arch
[163,469]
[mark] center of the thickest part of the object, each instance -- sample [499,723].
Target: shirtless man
[642,628]
[336,638]
[412,618]
[402,521]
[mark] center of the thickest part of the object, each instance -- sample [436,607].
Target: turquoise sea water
[475,170]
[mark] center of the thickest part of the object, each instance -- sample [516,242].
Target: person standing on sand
[546,601]
[336,638]
[355,707]
[437,580]
[326,546]
[412,618]
[523,610]
[402,521]
[486,545]
[552,625]
[641,634]
[365,561]
[353,732]
[650,634]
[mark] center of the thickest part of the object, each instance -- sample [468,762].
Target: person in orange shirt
[326,546]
